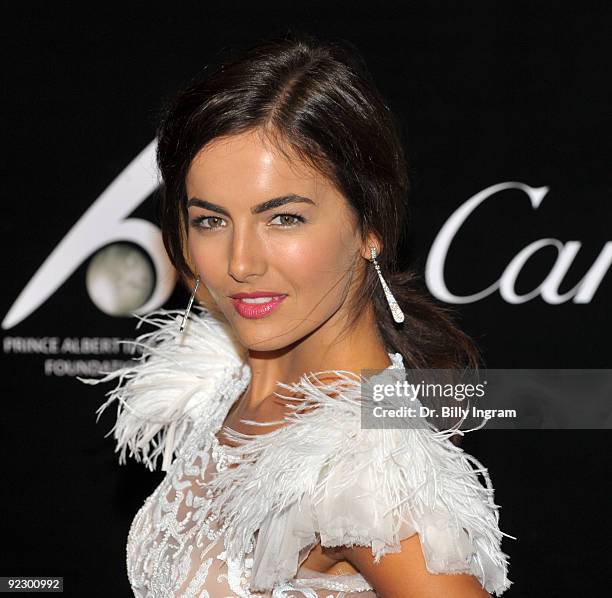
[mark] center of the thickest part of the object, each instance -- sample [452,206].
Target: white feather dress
[240,520]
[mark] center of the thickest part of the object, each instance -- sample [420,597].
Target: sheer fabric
[176,549]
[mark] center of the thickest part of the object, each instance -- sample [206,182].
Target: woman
[283,205]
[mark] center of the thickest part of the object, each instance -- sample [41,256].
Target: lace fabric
[176,546]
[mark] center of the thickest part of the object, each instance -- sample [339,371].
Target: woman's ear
[371,241]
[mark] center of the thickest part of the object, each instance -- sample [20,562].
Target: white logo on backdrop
[582,292]
[119,278]
[120,281]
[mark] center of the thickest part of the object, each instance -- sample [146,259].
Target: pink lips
[256,310]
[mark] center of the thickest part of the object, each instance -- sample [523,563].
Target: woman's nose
[246,256]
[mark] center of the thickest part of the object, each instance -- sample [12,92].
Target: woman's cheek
[308,255]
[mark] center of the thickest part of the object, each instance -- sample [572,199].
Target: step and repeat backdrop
[505,108]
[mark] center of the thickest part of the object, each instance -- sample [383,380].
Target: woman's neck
[323,349]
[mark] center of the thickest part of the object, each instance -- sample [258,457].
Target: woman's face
[305,248]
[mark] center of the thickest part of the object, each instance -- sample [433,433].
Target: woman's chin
[260,338]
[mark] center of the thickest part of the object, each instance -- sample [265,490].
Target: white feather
[160,395]
[324,477]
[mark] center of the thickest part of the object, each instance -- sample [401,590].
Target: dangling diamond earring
[190,304]
[398,314]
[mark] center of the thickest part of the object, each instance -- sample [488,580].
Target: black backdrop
[487,93]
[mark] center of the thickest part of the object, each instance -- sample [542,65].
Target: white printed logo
[582,292]
[115,279]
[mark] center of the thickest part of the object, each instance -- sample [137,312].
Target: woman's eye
[216,222]
[212,222]
[288,220]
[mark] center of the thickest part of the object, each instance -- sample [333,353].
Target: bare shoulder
[404,573]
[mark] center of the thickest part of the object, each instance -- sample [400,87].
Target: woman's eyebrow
[269,204]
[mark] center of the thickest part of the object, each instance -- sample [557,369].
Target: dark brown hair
[318,98]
